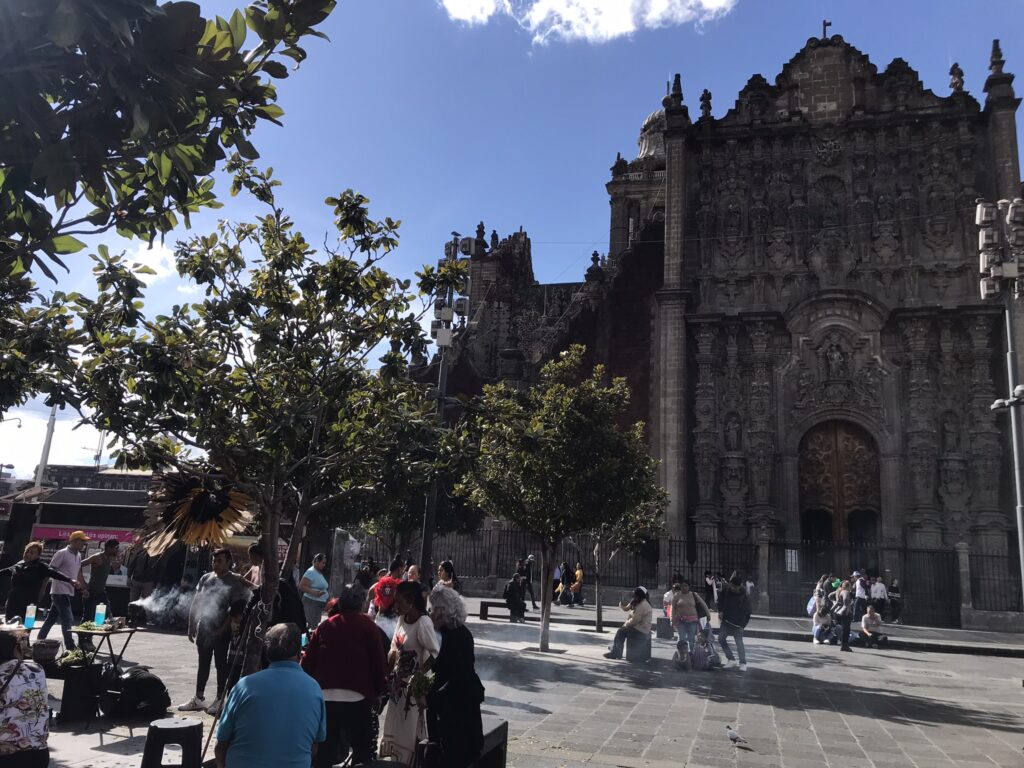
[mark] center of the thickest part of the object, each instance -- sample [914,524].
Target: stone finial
[494,239]
[956,78]
[675,96]
[996,61]
[705,103]
[595,273]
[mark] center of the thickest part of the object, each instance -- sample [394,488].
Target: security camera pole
[446,307]
[1001,246]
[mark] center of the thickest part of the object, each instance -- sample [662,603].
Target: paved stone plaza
[799,705]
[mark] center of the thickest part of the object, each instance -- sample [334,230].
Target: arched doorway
[839,484]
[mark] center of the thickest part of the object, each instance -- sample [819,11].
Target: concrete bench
[495,751]
[487,605]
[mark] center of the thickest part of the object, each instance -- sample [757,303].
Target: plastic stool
[184,731]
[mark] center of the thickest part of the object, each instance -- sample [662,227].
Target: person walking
[346,657]
[576,588]
[67,561]
[446,576]
[456,693]
[843,601]
[637,625]
[314,588]
[413,650]
[527,574]
[100,564]
[879,595]
[687,609]
[209,626]
[709,589]
[860,595]
[275,717]
[27,578]
[733,616]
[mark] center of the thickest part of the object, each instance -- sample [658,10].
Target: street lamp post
[1001,247]
[446,307]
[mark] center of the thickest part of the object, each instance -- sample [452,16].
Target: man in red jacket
[345,656]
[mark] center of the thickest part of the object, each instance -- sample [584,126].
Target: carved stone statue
[956,78]
[836,362]
[732,433]
[950,434]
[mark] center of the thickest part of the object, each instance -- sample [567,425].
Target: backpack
[811,605]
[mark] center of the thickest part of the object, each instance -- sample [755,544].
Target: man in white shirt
[69,562]
[860,595]
[879,595]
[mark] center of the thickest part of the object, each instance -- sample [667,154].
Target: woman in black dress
[455,696]
[27,578]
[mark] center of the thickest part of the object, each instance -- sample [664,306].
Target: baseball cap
[78,536]
[856,574]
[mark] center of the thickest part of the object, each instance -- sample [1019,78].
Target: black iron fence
[927,580]
[995,582]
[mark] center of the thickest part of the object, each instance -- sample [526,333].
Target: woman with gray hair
[455,696]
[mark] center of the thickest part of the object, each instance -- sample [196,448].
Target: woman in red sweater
[345,655]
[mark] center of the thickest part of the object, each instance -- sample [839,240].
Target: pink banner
[46,532]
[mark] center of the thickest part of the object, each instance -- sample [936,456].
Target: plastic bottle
[30,617]
[101,613]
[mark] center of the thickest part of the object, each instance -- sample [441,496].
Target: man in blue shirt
[276,717]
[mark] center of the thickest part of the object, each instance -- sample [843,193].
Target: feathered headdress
[193,510]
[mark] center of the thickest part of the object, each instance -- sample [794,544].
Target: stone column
[672,302]
[764,542]
[963,557]
[922,451]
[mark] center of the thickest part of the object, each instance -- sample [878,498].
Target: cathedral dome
[652,136]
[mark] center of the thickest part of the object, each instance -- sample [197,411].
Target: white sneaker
[195,704]
[214,709]
[817,641]
[743,667]
[729,664]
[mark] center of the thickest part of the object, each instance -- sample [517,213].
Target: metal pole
[45,458]
[430,512]
[1015,426]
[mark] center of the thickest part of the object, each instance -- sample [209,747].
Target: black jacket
[734,607]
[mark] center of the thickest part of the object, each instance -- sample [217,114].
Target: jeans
[349,728]
[844,629]
[688,634]
[620,640]
[726,631]
[215,649]
[860,605]
[60,606]
[314,611]
[528,588]
[824,634]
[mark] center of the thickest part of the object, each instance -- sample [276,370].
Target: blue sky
[516,119]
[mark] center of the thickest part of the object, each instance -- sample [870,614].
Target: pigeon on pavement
[734,736]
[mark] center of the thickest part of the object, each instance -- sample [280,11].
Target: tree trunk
[547,567]
[260,617]
[298,531]
[598,610]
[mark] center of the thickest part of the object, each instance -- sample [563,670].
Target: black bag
[139,694]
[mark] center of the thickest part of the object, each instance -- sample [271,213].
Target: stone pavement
[799,705]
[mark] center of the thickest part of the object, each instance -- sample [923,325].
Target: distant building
[102,477]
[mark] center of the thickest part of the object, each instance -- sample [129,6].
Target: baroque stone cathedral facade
[792,291]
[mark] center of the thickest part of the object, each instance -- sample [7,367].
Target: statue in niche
[732,433]
[836,362]
[950,434]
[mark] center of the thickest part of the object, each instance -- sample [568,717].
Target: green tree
[266,377]
[114,116]
[554,460]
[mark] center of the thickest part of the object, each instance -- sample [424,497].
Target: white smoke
[167,607]
[596,21]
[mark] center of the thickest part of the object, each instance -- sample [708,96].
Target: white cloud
[158,257]
[23,446]
[189,289]
[596,21]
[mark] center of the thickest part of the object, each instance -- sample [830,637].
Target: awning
[49,532]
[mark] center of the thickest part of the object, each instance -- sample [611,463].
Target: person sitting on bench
[637,626]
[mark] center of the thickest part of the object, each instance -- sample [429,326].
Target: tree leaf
[67,244]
